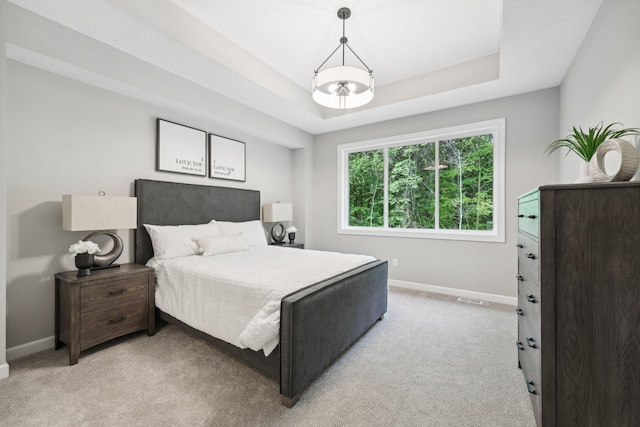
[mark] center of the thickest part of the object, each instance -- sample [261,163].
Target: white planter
[584,174]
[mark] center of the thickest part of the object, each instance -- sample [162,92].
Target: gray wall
[531,122]
[71,138]
[81,119]
[4,368]
[603,82]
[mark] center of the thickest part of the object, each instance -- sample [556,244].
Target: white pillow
[216,245]
[172,241]
[251,230]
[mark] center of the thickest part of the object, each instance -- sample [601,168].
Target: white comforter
[236,297]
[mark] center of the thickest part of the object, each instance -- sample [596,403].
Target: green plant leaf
[584,144]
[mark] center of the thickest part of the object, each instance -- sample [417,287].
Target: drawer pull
[520,278]
[118,319]
[520,216]
[519,345]
[116,292]
[531,298]
[520,245]
[531,256]
[519,312]
[531,342]
[532,217]
[530,388]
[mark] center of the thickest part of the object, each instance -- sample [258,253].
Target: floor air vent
[470,300]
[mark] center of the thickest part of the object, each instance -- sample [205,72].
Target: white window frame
[495,127]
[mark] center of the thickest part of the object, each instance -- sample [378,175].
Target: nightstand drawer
[113,293]
[101,325]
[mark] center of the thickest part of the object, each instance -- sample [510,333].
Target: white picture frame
[227,158]
[181,149]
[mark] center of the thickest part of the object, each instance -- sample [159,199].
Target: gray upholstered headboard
[172,203]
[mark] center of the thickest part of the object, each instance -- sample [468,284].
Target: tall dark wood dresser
[579,303]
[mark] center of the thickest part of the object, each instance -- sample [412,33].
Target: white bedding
[236,296]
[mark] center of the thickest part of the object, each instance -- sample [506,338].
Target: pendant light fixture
[343,86]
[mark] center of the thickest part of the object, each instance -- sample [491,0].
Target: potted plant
[585,144]
[292,234]
[83,252]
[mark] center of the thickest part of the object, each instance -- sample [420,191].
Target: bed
[317,323]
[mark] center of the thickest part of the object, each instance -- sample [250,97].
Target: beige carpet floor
[433,361]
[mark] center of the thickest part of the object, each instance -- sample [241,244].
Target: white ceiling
[400,39]
[426,54]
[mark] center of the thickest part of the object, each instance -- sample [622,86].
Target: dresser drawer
[529,298]
[529,341]
[112,293]
[530,363]
[528,323]
[528,257]
[529,214]
[101,325]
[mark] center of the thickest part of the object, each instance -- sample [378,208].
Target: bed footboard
[321,322]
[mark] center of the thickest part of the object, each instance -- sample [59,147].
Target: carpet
[432,361]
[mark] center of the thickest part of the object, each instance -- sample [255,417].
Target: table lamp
[101,213]
[278,213]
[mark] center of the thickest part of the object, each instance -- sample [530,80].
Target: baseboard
[4,371]
[501,299]
[19,351]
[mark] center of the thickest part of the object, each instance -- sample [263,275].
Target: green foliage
[366,192]
[466,186]
[585,144]
[411,186]
[465,179]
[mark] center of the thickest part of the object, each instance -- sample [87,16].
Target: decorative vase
[277,233]
[584,174]
[628,161]
[292,238]
[84,262]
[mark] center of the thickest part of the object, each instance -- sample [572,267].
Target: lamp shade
[82,213]
[276,212]
[343,87]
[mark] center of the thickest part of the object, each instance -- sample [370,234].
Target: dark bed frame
[317,323]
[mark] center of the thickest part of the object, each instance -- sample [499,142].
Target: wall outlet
[394,262]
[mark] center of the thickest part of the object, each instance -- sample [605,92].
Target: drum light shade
[343,87]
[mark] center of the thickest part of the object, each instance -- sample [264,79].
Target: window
[446,184]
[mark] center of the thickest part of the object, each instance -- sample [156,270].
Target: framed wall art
[181,149]
[227,158]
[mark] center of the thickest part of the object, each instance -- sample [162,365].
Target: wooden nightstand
[289,245]
[108,304]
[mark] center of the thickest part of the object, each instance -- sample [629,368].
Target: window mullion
[436,212]
[386,188]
